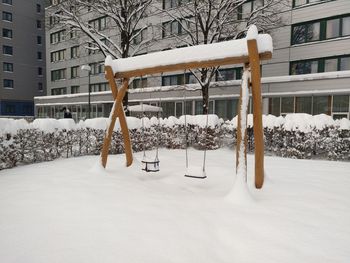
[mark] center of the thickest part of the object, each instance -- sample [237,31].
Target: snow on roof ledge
[229,49]
[252,32]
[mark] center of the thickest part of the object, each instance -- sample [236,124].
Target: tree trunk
[126,103]
[205,96]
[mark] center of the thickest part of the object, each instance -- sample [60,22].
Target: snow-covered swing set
[248,51]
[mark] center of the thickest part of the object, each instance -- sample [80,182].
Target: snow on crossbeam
[210,55]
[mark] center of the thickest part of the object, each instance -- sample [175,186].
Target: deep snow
[69,210]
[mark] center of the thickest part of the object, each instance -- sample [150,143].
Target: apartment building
[309,71]
[22,74]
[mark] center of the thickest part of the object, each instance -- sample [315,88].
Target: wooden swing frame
[252,61]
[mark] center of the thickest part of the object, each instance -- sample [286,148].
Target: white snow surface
[144,108]
[71,210]
[297,121]
[226,49]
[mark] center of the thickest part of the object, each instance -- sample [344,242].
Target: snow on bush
[293,136]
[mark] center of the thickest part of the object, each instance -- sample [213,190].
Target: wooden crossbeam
[190,65]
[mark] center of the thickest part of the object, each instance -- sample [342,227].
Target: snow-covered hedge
[295,136]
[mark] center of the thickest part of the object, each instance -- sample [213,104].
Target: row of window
[9,84]
[59,74]
[60,55]
[8,67]
[221,75]
[297,3]
[96,87]
[98,24]
[337,105]
[167,4]
[8,17]
[9,2]
[328,28]
[17,108]
[320,65]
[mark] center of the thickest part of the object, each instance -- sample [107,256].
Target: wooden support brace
[254,62]
[117,112]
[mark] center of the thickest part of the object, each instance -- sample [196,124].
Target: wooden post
[254,62]
[117,112]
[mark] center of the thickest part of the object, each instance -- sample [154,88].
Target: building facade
[22,74]
[309,71]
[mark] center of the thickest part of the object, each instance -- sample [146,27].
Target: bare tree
[210,21]
[113,27]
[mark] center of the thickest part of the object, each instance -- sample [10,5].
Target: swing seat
[150,165]
[195,172]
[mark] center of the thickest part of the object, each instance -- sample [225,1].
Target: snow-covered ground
[69,210]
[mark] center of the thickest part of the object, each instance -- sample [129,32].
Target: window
[275,106]
[99,23]
[341,103]
[7,50]
[333,28]
[306,33]
[246,8]
[74,72]
[287,105]
[74,52]
[40,86]
[138,83]
[7,16]
[297,3]
[140,36]
[178,79]
[38,8]
[74,89]
[58,55]
[8,67]
[39,40]
[171,28]
[229,74]
[59,91]
[345,63]
[168,108]
[40,71]
[304,67]
[55,19]
[173,80]
[97,68]
[226,109]
[7,33]
[327,28]
[93,48]
[320,65]
[39,55]
[331,65]
[73,33]
[320,105]
[58,74]
[167,4]
[99,87]
[8,84]
[57,36]
[346,26]
[38,24]
[303,105]
[8,2]
[10,108]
